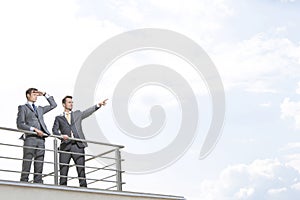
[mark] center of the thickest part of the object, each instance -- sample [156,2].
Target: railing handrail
[115,148]
[60,137]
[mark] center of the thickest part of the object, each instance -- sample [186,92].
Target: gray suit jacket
[62,127]
[28,118]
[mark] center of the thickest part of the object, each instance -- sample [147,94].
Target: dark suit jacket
[28,118]
[62,127]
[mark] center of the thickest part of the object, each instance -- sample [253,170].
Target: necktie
[34,108]
[68,117]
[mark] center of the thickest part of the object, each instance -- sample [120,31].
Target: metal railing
[105,169]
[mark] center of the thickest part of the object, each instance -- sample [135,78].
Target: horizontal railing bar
[82,154]
[97,169]
[109,165]
[109,176]
[85,174]
[89,167]
[13,171]
[107,152]
[91,179]
[92,172]
[88,157]
[25,147]
[90,183]
[14,158]
[66,152]
[99,155]
[49,162]
[111,187]
[84,166]
[103,179]
[100,169]
[60,137]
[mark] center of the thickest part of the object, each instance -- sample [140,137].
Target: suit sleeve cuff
[47,95]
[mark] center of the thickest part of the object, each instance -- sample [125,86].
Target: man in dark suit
[68,125]
[30,118]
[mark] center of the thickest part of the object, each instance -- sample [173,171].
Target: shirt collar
[64,113]
[30,102]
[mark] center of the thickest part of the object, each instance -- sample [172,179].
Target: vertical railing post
[55,150]
[118,169]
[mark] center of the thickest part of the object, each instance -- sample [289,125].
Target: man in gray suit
[68,125]
[30,118]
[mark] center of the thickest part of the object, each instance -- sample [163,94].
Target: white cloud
[266,105]
[276,191]
[244,193]
[130,11]
[200,20]
[291,146]
[255,64]
[291,109]
[258,63]
[262,179]
[296,186]
[292,157]
[215,8]
[298,88]
[293,160]
[288,1]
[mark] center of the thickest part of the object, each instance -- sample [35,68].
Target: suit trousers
[37,155]
[64,160]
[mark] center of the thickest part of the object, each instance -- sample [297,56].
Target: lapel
[65,119]
[30,107]
[69,125]
[72,118]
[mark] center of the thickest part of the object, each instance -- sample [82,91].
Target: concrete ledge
[26,191]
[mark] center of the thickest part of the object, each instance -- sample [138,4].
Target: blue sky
[255,46]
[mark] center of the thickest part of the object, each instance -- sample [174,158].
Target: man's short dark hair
[65,98]
[30,90]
